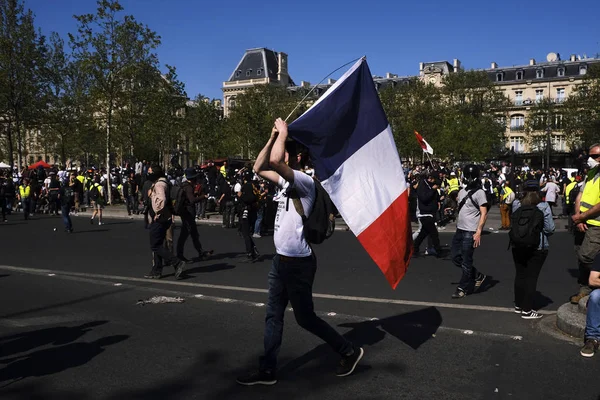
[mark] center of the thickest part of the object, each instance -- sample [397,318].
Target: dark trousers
[162,256]
[26,204]
[132,204]
[65,210]
[201,208]
[428,228]
[188,228]
[462,257]
[229,214]
[3,208]
[291,280]
[53,204]
[528,264]
[247,224]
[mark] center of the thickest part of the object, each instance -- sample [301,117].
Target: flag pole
[321,81]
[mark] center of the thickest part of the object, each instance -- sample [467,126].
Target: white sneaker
[99,223]
[256,235]
[531,315]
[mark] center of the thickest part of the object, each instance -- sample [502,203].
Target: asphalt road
[70,327]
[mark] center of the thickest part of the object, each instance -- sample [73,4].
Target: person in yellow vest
[453,184]
[24,196]
[507,197]
[570,203]
[587,223]
[223,169]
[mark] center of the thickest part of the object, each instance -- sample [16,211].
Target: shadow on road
[25,341]
[90,231]
[55,359]
[208,268]
[4,275]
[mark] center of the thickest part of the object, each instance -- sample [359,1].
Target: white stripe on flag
[367,183]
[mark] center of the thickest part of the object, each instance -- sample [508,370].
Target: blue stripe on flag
[334,129]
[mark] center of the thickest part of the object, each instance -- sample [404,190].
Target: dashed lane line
[257,290]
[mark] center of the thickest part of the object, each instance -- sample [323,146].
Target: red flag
[423,143]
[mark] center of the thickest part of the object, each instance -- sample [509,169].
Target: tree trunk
[9,138]
[108,129]
[19,144]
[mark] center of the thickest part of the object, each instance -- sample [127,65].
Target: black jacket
[428,198]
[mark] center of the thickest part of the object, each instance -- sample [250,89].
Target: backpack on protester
[69,194]
[573,194]
[177,198]
[320,224]
[469,196]
[527,225]
[95,192]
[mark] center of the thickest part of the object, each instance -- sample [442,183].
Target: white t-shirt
[289,228]
[237,188]
[551,190]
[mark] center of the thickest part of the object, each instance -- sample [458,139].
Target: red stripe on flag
[388,240]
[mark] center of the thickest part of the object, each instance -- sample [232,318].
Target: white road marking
[334,315]
[257,290]
[51,274]
[117,284]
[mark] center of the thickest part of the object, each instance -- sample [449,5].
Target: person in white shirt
[294,266]
[552,191]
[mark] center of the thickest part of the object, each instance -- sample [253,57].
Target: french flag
[351,144]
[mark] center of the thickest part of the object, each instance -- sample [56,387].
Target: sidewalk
[492,225]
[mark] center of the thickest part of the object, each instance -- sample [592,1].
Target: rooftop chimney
[494,65]
[304,84]
[421,68]
[532,61]
[330,81]
[573,57]
[456,65]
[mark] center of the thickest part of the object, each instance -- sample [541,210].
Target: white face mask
[592,163]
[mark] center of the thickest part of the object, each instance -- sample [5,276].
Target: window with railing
[517,123]
[559,143]
[517,143]
[560,95]
[518,97]
[539,95]
[558,122]
[540,122]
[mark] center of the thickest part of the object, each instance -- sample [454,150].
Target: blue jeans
[462,257]
[65,210]
[291,280]
[592,325]
[259,218]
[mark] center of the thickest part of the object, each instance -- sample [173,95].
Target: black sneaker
[589,348]
[518,310]
[532,314]
[479,280]
[348,363]
[153,275]
[92,221]
[179,268]
[257,378]
[459,294]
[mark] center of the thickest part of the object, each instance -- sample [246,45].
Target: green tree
[415,106]
[255,112]
[582,111]
[474,111]
[204,130]
[22,52]
[545,117]
[107,47]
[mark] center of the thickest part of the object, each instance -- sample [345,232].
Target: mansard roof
[550,70]
[256,64]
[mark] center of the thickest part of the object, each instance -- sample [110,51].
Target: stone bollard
[570,318]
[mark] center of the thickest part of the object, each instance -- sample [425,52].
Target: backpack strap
[469,196]
[297,203]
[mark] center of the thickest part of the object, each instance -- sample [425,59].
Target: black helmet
[471,172]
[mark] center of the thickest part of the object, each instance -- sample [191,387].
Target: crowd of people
[252,198]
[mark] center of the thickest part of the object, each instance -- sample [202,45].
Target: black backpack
[527,224]
[94,192]
[320,224]
[177,198]
[574,193]
[69,194]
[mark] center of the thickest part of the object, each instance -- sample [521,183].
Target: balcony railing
[517,128]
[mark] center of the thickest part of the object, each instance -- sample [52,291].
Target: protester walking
[295,264]
[25,194]
[188,222]
[428,205]
[531,226]
[161,214]
[472,214]
[66,197]
[97,198]
[248,202]
[507,197]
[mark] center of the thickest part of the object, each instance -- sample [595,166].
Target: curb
[570,320]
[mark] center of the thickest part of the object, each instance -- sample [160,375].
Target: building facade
[525,85]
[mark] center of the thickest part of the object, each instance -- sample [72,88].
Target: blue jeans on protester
[65,210]
[462,257]
[259,218]
[291,280]
[592,325]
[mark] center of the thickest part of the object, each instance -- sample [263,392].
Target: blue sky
[205,39]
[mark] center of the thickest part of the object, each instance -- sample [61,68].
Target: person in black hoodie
[428,203]
[248,200]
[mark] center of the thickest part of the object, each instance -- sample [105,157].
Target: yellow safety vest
[223,171]
[507,191]
[453,185]
[590,196]
[25,191]
[80,178]
[568,189]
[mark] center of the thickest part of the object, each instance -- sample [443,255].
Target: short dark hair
[157,171]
